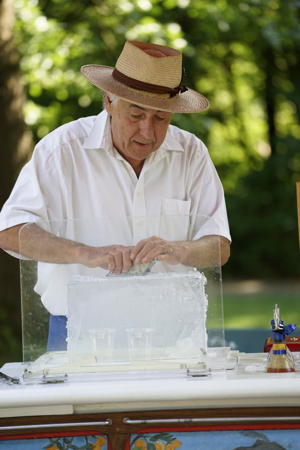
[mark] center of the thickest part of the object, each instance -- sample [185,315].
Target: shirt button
[139,223]
[138,193]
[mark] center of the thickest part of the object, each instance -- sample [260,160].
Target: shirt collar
[170,143]
[100,137]
[100,134]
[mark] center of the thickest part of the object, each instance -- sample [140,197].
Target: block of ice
[173,305]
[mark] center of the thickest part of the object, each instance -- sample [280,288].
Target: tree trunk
[270,93]
[15,145]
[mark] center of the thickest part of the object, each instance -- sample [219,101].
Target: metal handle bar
[57,425]
[210,419]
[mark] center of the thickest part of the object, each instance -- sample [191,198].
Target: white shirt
[76,173]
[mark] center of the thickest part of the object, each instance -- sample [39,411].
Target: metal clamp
[8,380]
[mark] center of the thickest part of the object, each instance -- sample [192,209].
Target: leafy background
[244,56]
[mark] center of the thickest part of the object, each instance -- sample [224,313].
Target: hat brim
[186,102]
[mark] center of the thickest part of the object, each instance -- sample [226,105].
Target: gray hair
[112,97]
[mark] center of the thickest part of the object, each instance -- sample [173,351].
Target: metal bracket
[8,380]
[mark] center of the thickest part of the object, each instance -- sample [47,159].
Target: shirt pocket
[175,219]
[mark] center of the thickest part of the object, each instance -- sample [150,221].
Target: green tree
[15,144]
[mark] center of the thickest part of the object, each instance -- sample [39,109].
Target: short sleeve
[37,194]
[207,195]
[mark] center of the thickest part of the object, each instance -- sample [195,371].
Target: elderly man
[126,162]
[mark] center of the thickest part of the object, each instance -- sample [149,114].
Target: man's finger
[144,247]
[148,252]
[110,261]
[136,250]
[126,261]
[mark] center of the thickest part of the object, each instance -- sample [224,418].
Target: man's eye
[160,119]
[136,116]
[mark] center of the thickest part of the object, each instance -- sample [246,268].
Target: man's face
[137,131]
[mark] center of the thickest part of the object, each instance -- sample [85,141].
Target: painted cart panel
[90,442]
[288,439]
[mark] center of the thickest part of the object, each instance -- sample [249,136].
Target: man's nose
[146,128]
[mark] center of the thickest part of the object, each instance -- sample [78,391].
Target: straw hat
[148,75]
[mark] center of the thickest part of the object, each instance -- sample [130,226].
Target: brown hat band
[148,87]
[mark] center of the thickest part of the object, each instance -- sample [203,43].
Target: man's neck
[138,171]
[137,167]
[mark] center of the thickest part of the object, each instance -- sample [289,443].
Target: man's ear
[108,104]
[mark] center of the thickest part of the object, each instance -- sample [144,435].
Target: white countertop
[131,392]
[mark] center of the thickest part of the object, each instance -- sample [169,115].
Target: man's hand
[166,251]
[115,258]
[208,251]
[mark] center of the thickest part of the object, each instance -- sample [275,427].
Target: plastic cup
[102,342]
[139,343]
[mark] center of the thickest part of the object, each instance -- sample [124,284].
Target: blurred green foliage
[248,311]
[242,54]
[10,342]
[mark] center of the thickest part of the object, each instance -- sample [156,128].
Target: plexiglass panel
[161,313]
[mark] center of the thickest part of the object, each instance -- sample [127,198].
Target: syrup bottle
[288,330]
[280,359]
